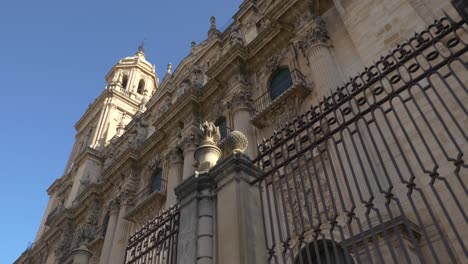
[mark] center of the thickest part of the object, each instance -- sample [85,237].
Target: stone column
[119,241]
[174,178]
[113,217]
[195,241]
[316,46]
[189,144]
[81,255]
[240,112]
[240,236]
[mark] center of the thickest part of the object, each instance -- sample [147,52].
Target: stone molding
[316,35]
[186,190]
[232,165]
[189,143]
[175,156]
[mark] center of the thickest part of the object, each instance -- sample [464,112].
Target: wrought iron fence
[156,242]
[375,172]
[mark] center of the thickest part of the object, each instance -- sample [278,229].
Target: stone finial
[235,143]
[210,132]
[208,153]
[141,48]
[213,30]
[169,69]
[193,44]
[213,22]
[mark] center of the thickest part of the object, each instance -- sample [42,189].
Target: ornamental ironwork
[156,241]
[375,173]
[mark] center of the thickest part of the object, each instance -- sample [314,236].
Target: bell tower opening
[141,86]
[124,82]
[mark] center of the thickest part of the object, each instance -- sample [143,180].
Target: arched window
[141,86]
[125,81]
[156,180]
[221,123]
[280,82]
[326,253]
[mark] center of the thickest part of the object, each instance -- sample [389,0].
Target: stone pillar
[316,46]
[174,178]
[189,144]
[119,241]
[239,225]
[240,111]
[81,255]
[195,241]
[113,217]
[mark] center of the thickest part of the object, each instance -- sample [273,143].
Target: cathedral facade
[247,152]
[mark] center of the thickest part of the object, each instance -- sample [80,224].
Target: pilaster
[113,208]
[195,242]
[316,47]
[241,106]
[175,159]
[119,241]
[189,145]
[239,225]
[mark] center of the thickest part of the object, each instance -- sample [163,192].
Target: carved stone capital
[316,35]
[189,142]
[175,156]
[113,206]
[153,162]
[240,100]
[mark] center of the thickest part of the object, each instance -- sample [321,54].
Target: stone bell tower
[130,84]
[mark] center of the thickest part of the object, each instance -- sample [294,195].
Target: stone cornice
[236,55]
[98,102]
[129,157]
[191,96]
[53,186]
[238,165]
[195,183]
[88,153]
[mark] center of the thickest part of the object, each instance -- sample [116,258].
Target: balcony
[147,203]
[269,112]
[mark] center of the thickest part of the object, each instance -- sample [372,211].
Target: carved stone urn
[208,153]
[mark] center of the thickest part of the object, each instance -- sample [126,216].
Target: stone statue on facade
[235,37]
[85,234]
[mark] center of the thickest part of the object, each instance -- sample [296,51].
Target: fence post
[195,241]
[239,225]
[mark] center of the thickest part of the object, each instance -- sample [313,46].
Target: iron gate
[375,172]
[156,241]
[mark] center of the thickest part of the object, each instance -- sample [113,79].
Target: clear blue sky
[54,56]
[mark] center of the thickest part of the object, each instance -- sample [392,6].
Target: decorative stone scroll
[317,34]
